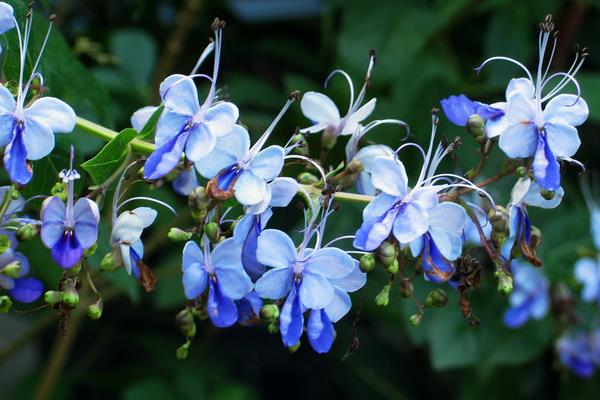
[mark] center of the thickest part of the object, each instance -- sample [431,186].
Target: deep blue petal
[26,290]
[486,111]
[166,157]
[135,259]
[15,156]
[291,320]
[545,167]
[320,331]
[248,309]
[227,176]
[221,310]
[458,109]
[436,268]
[516,316]
[253,267]
[185,182]
[67,251]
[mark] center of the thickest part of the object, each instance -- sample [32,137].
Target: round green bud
[386,253]
[107,263]
[367,262]
[185,322]
[273,327]
[198,199]
[12,270]
[60,190]
[415,319]
[4,243]
[90,251]
[436,298]
[269,312]
[406,288]
[13,193]
[547,194]
[521,171]
[476,127]
[383,297]
[212,231]
[306,178]
[505,282]
[182,351]
[328,139]
[393,267]
[178,235]
[294,348]
[5,304]
[71,296]
[53,297]
[26,232]
[94,311]
[199,215]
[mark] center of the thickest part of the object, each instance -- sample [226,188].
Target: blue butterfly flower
[20,288]
[459,108]
[530,298]
[576,353]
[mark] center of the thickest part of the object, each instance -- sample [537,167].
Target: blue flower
[576,353]
[530,298]
[529,129]
[587,272]
[323,112]
[307,279]
[368,156]
[126,238]
[69,230]
[459,108]
[185,126]
[28,131]
[22,289]
[221,271]
[249,309]
[186,181]
[234,165]
[247,230]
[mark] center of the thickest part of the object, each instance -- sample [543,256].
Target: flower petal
[319,108]
[353,120]
[374,231]
[15,156]
[195,280]
[170,124]
[221,118]
[52,113]
[200,143]
[222,311]
[410,223]
[192,254]
[283,191]
[268,162]
[339,305]
[587,273]
[7,100]
[315,290]
[458,109]
[276,249]
[7,21]
[330,262]
[320,331]
[291,319]
[26,290]
[448,216]
[519,140]
[562,138]
[165,158]
[235,284]
[569,108]
[389,176]
[229,150]
[67,251]
[37,138]
[7,128]
[545,167]
[448,243]
[275,284]
[181,96]
[522,86]
[249,188]
[520,109]
[140,118]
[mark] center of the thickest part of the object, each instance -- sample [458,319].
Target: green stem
[107,135]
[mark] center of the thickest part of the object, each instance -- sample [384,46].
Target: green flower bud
[505,282]
[393,267]
[13,193]
[107,264]
[60,190]
[306,178]
[4,243]
[5,304]
[499,219]
[53,297]
[383,297]
[198,199]
[27,231]
[328,139]
[178,235]
[94,311]
[199,215]
[386,253]
[71,296]
[90,251]
[269,312]
[12,270]
[436,298]
[294,348]
[367,262]
[185,322]
[213,231]
[182,351]
[521,171]
[301,144]
[406,288]
[476,128]
[273,327]
[415,319]
[547,194]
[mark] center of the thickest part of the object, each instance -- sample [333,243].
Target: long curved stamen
[427,159]
[573,161]
[350,85]
[501,58]
[203,56]
[217,26]
[116,196]
[39,58]
[262,140]
[225,213]
[308,160]
[338,239]
[162,203]
[363,90]
[550,59]
[405,145]
[465,184]
[567,79]
[21,58]
[355,138]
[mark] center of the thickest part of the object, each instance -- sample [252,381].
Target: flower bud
[182,351]
[53,296]
[60,190]
[367,262]
[301,145]
[5,304]
[383,297]
[199,215]
[294,348]
[4,243]
[521,171]
[393,267]
[107,264]
[198,199]
[499,219]
[27,231]
[273,328]
[547,194]
[90,251]
[269,312]
[306,178]
[185,322]
[415,319]
[212,231]
[70,295]
[505,282]
[476,127]
[94,311]
[386,253]
[12,270]
[328,139]
[406,288]
[13,193]
[436,298]
[178,235]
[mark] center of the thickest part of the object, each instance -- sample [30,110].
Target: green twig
[107,135]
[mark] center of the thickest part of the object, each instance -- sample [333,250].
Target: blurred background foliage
[106,58]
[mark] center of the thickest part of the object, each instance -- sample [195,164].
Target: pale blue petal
[389,176]
[448,243]
[330,262]
[378,206]
[6,17]
[534,198]
[53,221]
[416,246]
[569,108]
[221,309]
[168,82]
[522,86]
[283,191]
[169,125]
[228,253]
[410,223]
[221,118]
[519,140]
[374,231]
[352,123]
[268,162]
[181,96]
[315,290]
[276,249]
[320,331]
[186,182]
[496,127]
[192,254]
[587,273]
[200,143]
[448,216]
[319,108]
[339,305]
[291,319]
[562,138]
[37,138]
[140,118]
[351,282]
[53,113]
[7,100]
[229,150]
[195,280]
[275,283]
[86,216]
[249,188]
[7,127]
[234,282]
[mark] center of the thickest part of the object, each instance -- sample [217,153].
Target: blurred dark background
[114,55]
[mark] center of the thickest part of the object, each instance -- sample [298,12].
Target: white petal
[519,140]
[562,138]
[249,189]
[52,112]
[567,107]
[319,108]
[520,85]
[389,176]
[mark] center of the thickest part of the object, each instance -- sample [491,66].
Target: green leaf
[590,91]
[136,54]
[150,127]
[111,157]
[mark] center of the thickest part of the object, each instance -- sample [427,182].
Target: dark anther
[217,24]
[52,18]
[373,55]
[295,95]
